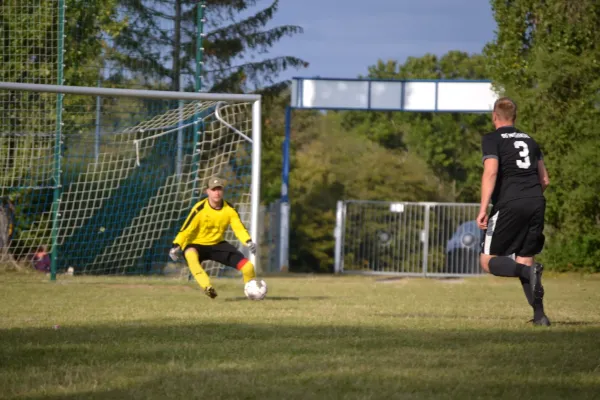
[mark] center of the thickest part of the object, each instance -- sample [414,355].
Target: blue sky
[342,38]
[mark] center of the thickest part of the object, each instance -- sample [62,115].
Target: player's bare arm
[543,174]
[488,183]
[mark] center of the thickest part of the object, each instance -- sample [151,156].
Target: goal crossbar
[139,93]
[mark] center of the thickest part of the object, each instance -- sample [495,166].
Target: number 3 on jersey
[524,162]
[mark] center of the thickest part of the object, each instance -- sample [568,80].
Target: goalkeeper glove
[251,246]
[174,253]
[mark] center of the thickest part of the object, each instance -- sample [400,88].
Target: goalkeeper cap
[214,182]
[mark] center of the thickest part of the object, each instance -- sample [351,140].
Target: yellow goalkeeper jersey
[206,225]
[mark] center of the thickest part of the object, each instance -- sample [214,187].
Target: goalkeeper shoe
[210,292]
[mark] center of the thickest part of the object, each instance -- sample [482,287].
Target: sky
[342,38]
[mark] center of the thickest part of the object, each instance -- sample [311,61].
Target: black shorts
[223,252]
[516,227]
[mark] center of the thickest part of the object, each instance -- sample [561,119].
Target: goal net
[105,178]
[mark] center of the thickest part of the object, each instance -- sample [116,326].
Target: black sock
[527,290]
[538,309]
[506,266]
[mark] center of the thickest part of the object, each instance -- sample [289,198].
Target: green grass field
[315,337]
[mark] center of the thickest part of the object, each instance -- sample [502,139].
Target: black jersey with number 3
[518,155]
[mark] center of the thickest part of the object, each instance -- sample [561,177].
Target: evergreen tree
[160,41]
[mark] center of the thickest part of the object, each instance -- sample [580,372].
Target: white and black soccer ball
[255,290]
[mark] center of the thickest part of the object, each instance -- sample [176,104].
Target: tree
[273,128]
[231,47]
[30,54]
[90,28]
[546,56]
[449,143]
[332,164]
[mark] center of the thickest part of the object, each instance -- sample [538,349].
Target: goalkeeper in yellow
[202,237]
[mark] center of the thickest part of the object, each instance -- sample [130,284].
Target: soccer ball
[255,290]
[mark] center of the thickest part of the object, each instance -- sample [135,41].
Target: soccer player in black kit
[514,179]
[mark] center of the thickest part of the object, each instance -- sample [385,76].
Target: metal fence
[418,239]
[270,231]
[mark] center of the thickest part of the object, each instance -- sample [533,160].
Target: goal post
[107,191]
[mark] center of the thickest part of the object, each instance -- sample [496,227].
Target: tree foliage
[449,143]
[333,164]
[90,28]
[160,40]
[547,57]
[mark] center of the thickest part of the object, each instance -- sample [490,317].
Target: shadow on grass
[279,298]
[576,323]
[480,318]
[417,315]
[153,360]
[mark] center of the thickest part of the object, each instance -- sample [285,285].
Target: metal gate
[269,254]
[418,239]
